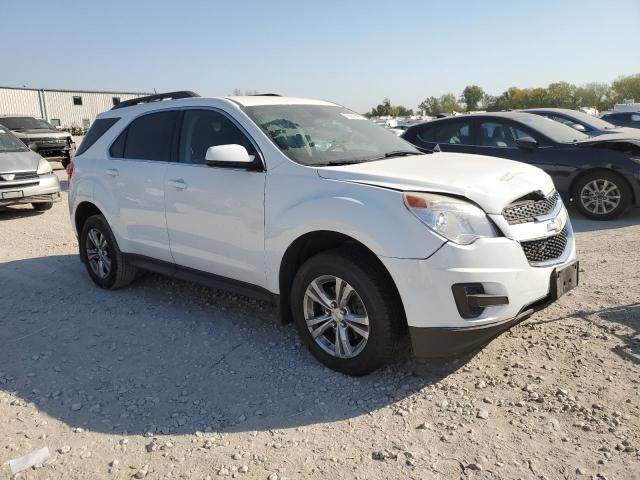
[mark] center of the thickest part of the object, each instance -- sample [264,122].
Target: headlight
[44,167]
[456,220]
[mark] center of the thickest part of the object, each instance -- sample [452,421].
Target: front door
[215,215]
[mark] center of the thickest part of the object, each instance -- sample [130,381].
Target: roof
[557,110]
[75,91]
[513,115]
[255,100]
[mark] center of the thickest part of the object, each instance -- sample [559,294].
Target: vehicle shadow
[628,330]
[172,357]
[581,224]
[15,212]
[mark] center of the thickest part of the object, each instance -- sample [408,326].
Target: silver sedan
[25,177]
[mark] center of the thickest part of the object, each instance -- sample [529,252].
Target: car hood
[19,161]
[40,132]
[490,182]
[625,136]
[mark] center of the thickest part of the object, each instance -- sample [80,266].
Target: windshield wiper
[394,153]
[334,163]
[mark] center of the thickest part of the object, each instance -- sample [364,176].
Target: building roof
[74,91]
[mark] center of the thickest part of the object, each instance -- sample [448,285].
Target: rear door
[215,215]
[135,174]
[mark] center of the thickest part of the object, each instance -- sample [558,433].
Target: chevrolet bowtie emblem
[7,177]
[554,225]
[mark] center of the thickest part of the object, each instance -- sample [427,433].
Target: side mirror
[228,156]
[579,127]
[526,142]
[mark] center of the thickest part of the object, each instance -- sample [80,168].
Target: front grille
[546,249]
[18,180]
[18,176]
[523,211]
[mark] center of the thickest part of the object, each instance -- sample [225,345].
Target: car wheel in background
[602,195]
[42,206]
[346,311]
[99,251]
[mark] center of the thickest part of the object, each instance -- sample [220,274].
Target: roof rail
[156,98]
[266,95]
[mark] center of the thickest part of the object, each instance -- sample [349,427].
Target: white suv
[351,231]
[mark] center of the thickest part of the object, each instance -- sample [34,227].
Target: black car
[623,119]
[583,122]
[601,175]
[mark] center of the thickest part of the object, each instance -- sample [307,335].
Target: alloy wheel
[98,253]
[336,316]
[600,196]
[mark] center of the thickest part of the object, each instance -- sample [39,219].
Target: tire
[120,273]
[373,297]
[613,187]
[42,206]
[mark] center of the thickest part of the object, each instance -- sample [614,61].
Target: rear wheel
[42,206]
[99,251]
[346,311]
[602,195]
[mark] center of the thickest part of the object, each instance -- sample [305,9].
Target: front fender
[375,217]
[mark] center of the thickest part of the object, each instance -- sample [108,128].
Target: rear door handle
[179,184]
[112,172]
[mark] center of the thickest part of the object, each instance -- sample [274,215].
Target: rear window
[147,138]
[96,131]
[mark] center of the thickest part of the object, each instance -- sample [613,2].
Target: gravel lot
[167,379]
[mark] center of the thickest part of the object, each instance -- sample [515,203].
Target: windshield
[9,143]
[556,131]
[318,135]
[25,123]
[590,120]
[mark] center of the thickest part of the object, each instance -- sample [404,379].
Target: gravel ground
[167,379]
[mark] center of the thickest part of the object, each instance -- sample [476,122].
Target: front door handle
[178,183]
[112,172]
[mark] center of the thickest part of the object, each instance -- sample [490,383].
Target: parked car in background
[25,177]
[623,119]
[600,174]
[583,122]
[42,137]
[354,233]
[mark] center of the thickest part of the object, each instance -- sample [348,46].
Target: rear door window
[454,133]
[147,138]
[500,134]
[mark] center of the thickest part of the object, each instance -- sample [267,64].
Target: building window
[77,100]
[55,122]
[115,100]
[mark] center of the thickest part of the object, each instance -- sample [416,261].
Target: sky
[353,52]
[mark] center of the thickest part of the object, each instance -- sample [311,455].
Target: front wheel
[602,195]
[42,206]
[346,311]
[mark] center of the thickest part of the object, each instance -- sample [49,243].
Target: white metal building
[62,108]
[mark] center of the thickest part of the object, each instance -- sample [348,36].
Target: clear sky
[354,52]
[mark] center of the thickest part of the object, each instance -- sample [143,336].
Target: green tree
[446,103]
[472,96]
[627,88]
[385,109]
[599,95]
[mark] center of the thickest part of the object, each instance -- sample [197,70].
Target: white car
[357,236]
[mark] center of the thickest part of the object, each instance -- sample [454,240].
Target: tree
[627,88]
[599,95]
[472,96]
[385,109]
[446,103]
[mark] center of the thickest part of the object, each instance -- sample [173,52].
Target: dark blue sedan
[600,175]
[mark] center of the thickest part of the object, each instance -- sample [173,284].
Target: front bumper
[47,189]
[436,324]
